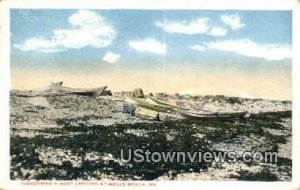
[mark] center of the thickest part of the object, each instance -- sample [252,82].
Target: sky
[200,52]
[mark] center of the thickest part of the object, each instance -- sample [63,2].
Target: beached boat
[197,115]
[56,89]
[155,101]
[143,103]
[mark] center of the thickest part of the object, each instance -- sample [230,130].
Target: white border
[154,4]
[5,183]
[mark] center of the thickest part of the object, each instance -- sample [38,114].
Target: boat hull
[144,104]
[159,102]
[194,115]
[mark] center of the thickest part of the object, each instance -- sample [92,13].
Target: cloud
[42,45]
[218,31]
[111,57]
[234,21]
[149,45]
[198,47]
[87,28]
[249,48]
[197,26]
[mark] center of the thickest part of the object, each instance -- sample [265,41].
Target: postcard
[148,95]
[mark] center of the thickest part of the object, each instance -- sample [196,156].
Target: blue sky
[258,27]
[203,41]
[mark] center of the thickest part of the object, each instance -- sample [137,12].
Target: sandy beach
[80,137]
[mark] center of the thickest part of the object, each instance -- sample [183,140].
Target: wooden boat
[81,91]
[56,89]
[197,115]
[155,101]
[142,103]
